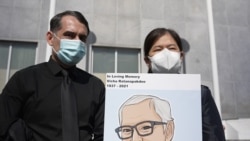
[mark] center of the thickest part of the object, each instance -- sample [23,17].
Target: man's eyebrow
[74,34]
[69,33]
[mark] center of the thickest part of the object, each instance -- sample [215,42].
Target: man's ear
[49,38]
[169,131]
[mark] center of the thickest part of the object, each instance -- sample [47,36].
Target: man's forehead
[71,23]
[139,112]
[142,103]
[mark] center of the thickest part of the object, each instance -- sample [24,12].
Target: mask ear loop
[54,50]
[54,34]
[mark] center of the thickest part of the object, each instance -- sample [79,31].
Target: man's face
[71,29]
[137,113]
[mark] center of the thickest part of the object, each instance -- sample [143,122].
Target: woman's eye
[173,47]
[157,49]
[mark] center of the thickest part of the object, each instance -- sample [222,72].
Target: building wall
[25,20]
[125,23]
[232,33]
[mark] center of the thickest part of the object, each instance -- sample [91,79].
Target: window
[15,56]
[112,60]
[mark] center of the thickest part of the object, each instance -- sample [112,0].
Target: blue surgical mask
[71,51]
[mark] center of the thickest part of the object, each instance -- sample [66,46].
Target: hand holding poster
[152,107]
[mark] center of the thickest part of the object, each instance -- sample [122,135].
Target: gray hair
[161,106]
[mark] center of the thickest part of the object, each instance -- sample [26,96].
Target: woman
[163,53]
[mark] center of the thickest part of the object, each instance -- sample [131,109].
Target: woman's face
[166,41]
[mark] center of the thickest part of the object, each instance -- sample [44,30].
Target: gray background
[125,23]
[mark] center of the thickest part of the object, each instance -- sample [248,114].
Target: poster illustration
[152,107]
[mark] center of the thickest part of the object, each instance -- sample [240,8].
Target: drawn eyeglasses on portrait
[143,128]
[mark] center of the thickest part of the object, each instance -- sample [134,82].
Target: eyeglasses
[143,128]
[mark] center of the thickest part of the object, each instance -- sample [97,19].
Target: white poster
[152,107]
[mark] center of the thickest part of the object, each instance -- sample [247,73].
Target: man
[36,95]
[145,117]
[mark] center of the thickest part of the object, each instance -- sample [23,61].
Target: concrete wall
[232,32]
[125,23]
[25,20]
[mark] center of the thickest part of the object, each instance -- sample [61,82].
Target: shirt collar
[55,68]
